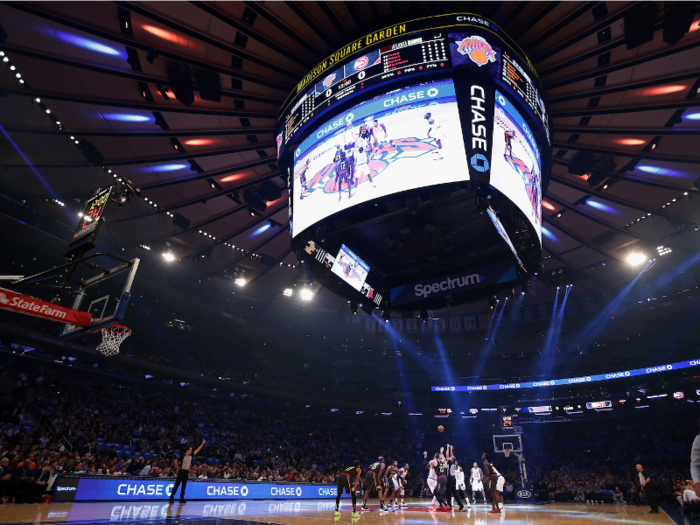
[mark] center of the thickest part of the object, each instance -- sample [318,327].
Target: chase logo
[328,81]
[477,49]
[479,162]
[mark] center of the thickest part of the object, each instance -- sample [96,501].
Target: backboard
[105,295]
[513,441]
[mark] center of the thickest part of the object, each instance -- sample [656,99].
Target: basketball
[479,56]
[441,428]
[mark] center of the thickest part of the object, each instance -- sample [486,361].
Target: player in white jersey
[435,132]
[476,483]
[432,476]
[461,485]
[380,135]
[403,472]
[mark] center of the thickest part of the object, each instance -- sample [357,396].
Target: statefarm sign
[25,304]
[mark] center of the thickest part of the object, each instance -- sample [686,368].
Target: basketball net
[506,451]
[112,338]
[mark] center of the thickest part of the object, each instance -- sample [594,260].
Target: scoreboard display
[448,100]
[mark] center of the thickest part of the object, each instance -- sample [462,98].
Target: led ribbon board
[571,380]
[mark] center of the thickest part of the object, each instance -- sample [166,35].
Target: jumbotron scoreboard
[417,157]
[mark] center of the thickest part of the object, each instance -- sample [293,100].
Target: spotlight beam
[90,29]
[131,75]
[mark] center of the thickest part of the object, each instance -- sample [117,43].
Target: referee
[451,491]
[184,472]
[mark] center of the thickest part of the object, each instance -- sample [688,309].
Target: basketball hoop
[506,451]
[112,338]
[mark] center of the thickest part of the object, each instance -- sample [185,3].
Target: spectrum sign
[106,489]
[571,380]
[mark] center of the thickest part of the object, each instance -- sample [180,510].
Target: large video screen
[399,141]
[350,268]
[516,169]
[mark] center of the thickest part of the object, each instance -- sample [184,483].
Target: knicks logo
[477,49]
[328,81]
[361,63]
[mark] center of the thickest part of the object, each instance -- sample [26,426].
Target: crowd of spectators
[56,421]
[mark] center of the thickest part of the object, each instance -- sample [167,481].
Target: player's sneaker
[431,508]
[364,507]
[355,514]
[336,513]
[383,508]
[494,511]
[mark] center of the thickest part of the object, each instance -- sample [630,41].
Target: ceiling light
[287,292]
[169,257]
[21,81]
[240,282]
[18,75]
[306,294]
[48,110]
[12,68]
[58,122]
[72,137]
[636,259]
[5,59]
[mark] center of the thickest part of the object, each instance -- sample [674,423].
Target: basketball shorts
[477,485]
[500,483]
[461,485]
[343,483]
[432,483]
[492,483]
[441,485]
[394,484]
[371,482]
[343,176]
[302,179]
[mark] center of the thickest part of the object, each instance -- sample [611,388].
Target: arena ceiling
[100,69]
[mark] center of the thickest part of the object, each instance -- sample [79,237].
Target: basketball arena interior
[350,262]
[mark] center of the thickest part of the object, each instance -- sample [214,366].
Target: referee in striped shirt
[184,472]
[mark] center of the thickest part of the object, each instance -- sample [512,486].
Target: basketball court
[305,512]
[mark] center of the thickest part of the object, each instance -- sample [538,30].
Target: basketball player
[475,482]
[339,155]
[376,128]
[432,477]
[374,474]
[365,134]
[350,156]
[452,467]
[184,472]
[391,484]
[490,477]
[302,177]
[461,485]
[509,135]
[435,131]
[342,170]
[347,480]
[403,472]
[441,471]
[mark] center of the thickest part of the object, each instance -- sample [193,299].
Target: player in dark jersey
[391,485]
[342,170]
[490,480]
[347,480]
[441,472]
[339,155]
[350,157]
[509,135]
[374,474]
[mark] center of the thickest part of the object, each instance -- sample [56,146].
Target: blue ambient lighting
[692,116]
[657,170]
[262,229]
[548,234]
[600,206]
[126,118]
[167,167]
[86,43]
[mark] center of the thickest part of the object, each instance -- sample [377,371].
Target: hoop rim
[115,325]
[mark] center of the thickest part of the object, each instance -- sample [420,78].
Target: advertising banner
[467,280]
[110,489]
[27,305]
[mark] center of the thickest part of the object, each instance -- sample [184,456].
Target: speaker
[209,85]
[639,26]
[181,82]
[581,163]
[181,221]
[677,19]
[254,200]
[603,238]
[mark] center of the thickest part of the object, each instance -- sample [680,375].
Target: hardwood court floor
[320,512]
